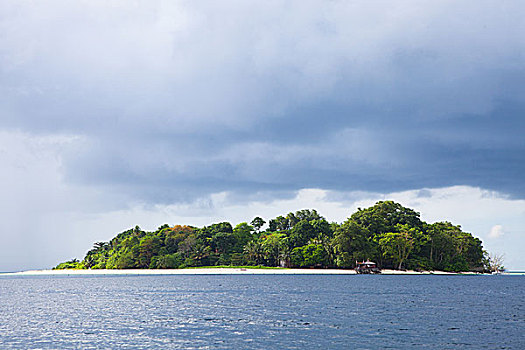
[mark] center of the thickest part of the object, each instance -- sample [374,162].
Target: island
[392,236]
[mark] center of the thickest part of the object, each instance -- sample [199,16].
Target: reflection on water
[262,312]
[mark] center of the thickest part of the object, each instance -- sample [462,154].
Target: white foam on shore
[218,271]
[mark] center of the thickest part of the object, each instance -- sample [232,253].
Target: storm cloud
[170,101]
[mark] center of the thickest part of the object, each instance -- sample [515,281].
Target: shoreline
[219,271]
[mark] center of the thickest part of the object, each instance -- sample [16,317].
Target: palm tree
[285,255]
[254,251]
[327,245]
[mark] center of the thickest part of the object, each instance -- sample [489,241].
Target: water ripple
[262,312]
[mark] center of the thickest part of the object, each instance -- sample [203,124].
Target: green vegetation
[389,234]
[72,264]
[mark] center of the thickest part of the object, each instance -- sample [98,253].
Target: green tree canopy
[257,223]
[387,233]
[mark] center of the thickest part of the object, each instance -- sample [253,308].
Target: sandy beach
[218,271]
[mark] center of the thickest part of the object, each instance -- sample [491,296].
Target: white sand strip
[219,271]
[203,271]
[412,272]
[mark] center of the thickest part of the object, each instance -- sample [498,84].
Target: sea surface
[262,312]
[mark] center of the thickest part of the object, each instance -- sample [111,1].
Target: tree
[449,248]
[398,245]
[272,246]
[351,243]
[308,215]
[280,223]
[495,262]
[254,252]
[441,243]
[301,233]
[200,255]
[384,216]
[209,231]
[243,234]
[126,261]
[311,255]
[138,232]
[222,242]
[101,246]
[327,243]
[186,246]
[170,261]
[173,239]
[71,264]
[257,223]
[148,247]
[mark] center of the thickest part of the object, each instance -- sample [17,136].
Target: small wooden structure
[366,267]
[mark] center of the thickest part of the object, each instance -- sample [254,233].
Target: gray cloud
[176,100]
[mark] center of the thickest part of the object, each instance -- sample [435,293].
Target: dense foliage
[389,234]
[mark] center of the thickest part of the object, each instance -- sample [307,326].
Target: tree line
[391,235]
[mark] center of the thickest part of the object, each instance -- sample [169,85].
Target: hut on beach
[366,267]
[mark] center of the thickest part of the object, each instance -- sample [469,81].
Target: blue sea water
[262,312]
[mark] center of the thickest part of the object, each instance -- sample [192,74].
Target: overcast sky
[122,113]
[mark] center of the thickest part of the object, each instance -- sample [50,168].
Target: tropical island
[391,235]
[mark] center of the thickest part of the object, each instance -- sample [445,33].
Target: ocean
[262,312]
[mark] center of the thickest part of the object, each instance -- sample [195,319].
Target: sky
[122,113]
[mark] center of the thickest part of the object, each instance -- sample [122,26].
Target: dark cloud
[176,101]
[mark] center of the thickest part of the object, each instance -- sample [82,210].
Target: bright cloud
[496,231]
